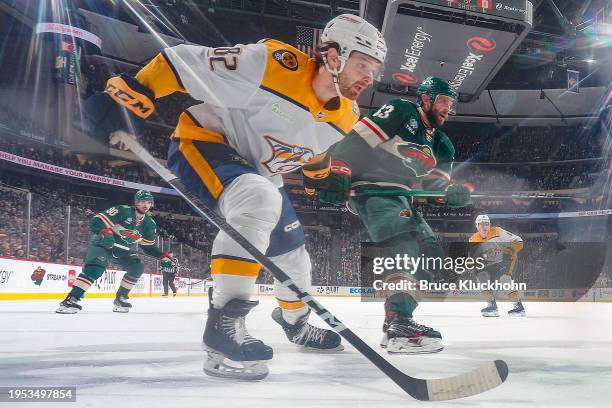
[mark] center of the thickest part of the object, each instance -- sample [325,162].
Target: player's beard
[139,211]
[346,88]
[433,119]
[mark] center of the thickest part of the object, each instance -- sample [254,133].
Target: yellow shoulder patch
[289,74]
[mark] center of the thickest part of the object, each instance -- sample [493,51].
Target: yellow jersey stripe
[199,164]
[189,129]
[294,305]
[233,266]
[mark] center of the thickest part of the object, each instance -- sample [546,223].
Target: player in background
[268,109]
[168,274]
[124,225]
[499,249]
[401,143]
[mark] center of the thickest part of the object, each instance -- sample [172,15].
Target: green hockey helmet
[142,195]
[434,86]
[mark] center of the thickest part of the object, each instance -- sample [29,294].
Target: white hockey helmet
[353,33]
[482,218]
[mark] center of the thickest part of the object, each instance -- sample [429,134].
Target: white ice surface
[559,356]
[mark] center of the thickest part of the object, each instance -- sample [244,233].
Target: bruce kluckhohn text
[468,285]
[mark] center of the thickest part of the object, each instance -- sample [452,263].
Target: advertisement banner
[22,279]
[81,174]
[69,31]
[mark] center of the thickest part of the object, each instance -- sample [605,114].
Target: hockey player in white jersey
[499,249]
[267,109]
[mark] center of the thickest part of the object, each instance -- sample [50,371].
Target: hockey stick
[474,382]
[126,248]
[396,190]
[205,274]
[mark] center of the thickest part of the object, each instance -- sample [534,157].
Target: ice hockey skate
[121,305]
[404,336]
[307,337]
[518,310]
[232,351]
[69,305]
[490,310]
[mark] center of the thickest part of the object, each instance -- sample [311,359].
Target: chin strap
[334,72]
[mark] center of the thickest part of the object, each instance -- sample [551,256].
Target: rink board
[17,282]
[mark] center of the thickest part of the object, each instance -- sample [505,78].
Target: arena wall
[18,281]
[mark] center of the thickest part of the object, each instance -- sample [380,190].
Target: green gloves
[338,184]
[104,239]
[457,195]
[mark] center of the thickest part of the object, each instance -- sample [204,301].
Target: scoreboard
[462,41]
[514,9]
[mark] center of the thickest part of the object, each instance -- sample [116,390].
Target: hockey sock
[514,296]
[400,303]
[85,280]
[489,295]
[127,283]
[292,310]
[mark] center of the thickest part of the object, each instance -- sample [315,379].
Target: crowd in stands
[341,237]
[503,144]
[333,240]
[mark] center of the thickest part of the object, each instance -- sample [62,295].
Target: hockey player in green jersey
[124,225]
[400,144]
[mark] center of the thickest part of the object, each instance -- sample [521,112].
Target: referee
[168,273]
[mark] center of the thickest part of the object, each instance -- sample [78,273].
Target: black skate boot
[226,338]
[121,305]
[70,305]
[518,310]
[404,336]
[491,309]
[306,336]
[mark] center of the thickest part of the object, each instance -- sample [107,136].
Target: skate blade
[218,365]
[414,351]
[521,314]
[67,310]
[407,347]
[490,314]
[303,349]
[121,309]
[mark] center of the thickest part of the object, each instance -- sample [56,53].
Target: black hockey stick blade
[479,380]
[474,382]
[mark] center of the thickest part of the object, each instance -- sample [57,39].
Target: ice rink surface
[559,356]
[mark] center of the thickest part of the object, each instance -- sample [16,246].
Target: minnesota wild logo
[132,235]
[419,158]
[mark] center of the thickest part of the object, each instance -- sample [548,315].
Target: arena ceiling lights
[463,41]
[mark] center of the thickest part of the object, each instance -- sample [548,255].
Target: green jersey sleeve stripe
[105,220]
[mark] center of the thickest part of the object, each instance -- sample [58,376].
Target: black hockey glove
[124,105]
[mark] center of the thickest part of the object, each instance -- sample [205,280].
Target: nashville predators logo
[419,158]
[286,157]
[286,58]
